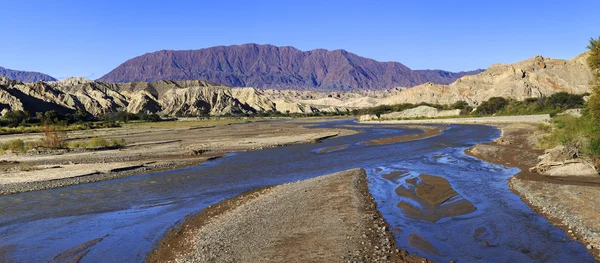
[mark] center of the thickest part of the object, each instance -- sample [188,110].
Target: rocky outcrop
[167,98]
[532,78]
[267,66]
[417,112]
[421,111]
[563,161]
[25,76]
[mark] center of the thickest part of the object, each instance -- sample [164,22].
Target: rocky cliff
[535,77]
[271,67]
[167,98]
[26,76]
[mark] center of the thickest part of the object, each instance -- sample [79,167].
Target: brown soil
[571,203]
[436,199]
[428,131]
[325,219]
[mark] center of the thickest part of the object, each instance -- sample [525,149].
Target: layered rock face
[167,98]
[532,78]
[26,76]
[271,67]
[535,77]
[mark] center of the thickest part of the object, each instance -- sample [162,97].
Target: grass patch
[40,128]
[15,146]
[98,143]
[578,133]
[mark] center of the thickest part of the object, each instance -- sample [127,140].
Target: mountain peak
[268,66]
[24,76]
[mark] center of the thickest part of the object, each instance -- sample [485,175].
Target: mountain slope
[267,66]
[535,77]
[168,98]
[25,76]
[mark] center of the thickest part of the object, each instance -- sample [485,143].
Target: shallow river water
[124,217]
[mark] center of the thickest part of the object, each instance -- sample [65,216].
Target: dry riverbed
[149,147]
[330,218]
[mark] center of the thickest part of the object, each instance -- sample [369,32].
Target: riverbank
[331,218]
[470,120]
[569,202]
[149,147]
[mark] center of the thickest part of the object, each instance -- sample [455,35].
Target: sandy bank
[150,147]
[477,120]
[571,203]
[428,131]
[331,218]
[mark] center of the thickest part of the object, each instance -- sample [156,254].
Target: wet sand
[571,203]
[330,218]
[333,148]
[435,197]
[428,131]
[149,148]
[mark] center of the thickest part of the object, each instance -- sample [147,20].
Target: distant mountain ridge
[272,67]
[25,76]
[536,77]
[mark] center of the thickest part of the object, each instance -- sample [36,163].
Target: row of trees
[21,118]
[556,103]
[24,118]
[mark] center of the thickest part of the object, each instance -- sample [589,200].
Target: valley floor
[149,147]
[331,218]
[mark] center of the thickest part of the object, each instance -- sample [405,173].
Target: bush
[491,106]
[53,138]
[573,132]
[15,146]
[98,143]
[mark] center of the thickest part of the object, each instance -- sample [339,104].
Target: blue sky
[90,38]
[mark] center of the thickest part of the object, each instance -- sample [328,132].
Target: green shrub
[15,146]
[98,143]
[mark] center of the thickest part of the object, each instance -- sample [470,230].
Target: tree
[491,106]
[564,100]
[16,118]
[593,61]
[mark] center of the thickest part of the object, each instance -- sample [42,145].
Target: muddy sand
[571,203]
[426,132]
[435,199]
[149,147]
[331,218]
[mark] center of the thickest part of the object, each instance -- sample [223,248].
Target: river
[124,217]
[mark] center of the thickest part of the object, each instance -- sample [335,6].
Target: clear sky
[89,38]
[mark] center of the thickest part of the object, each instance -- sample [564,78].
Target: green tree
[593,62]
[491,106]
[16,118]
